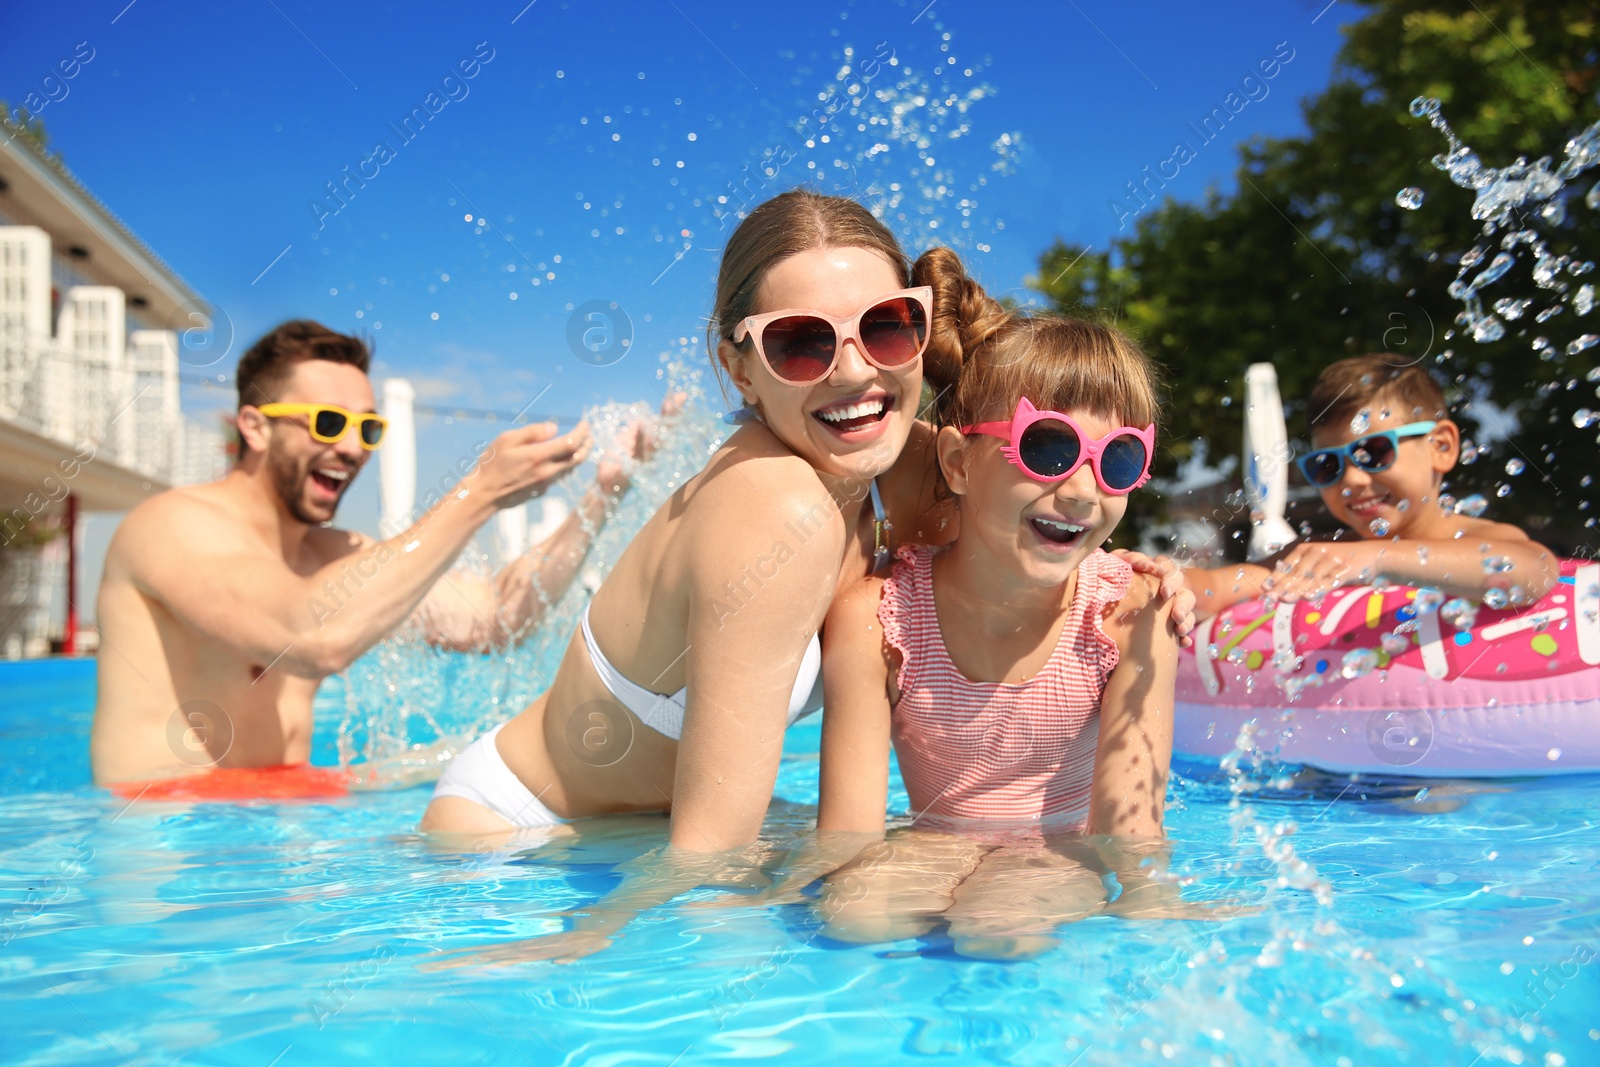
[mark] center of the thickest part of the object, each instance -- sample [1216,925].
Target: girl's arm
[1129,793]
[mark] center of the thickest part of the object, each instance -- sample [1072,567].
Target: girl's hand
[1162,900]
[1173,588]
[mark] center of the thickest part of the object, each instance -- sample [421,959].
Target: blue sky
[593,139]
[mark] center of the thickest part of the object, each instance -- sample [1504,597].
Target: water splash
[1516,201]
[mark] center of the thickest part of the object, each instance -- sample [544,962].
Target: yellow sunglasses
[329,424]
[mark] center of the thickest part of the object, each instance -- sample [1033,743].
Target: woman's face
[854,422]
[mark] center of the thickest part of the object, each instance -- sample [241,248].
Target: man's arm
[183,554]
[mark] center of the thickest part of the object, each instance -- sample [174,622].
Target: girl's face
[854,422]
[1040,531]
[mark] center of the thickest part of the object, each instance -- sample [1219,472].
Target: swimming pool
[284,934]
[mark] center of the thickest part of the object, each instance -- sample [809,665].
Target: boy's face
[1405,495]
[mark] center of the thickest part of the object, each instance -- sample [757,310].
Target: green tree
[1312,260]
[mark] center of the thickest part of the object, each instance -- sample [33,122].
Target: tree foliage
[1311,259]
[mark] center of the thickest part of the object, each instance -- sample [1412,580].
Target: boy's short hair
[1345,387]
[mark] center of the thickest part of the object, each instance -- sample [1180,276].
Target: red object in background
[293,781]
[69,639]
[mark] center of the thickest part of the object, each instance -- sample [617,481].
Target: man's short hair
[1345,387]
[266,367]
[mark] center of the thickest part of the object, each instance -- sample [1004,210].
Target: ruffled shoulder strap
[1103,580]
[906,609]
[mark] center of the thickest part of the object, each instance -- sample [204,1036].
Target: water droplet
[1583,418]
[1359,662]
[1410,197]
[1511,308]
[1497,599]
[1460,613]
[1428,600]
[1515,466]
[1549,313]
[1423,106]
[1553,755]
[1361,421]
[1587,341]
[1237,655]
[1379,527]
[1395,644]
[1497,564]
[1502,490]
[1472,506]
[1583,300]
[1487,328]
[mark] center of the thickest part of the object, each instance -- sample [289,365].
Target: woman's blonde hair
[792,222]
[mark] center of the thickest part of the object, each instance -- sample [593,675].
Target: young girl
[1024,675]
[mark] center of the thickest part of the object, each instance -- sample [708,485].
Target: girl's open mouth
[1056,532]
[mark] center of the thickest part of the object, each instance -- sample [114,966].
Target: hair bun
[964,315]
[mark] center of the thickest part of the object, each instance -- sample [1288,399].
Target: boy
[1382,445]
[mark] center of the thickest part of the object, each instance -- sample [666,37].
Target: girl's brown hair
[796,221]
[982,358]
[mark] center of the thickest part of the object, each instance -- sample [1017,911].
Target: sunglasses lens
[328,425]
[371,432]
[799,348]
[893,332]
[1049,448]
[1375,453]
[1122,462]
[1322,468]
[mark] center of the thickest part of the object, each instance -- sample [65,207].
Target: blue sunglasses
[1373,453]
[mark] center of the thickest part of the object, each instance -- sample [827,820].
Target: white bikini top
[664,714]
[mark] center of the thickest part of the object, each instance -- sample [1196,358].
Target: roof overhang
[36,471]
[40,191]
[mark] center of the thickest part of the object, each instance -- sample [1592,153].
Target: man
[224,605]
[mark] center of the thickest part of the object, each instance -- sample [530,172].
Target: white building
[89,375]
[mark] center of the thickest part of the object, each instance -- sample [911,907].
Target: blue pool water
[290,934]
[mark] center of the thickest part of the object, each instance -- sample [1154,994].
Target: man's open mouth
[333,480]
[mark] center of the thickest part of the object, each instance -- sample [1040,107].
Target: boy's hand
[1312,570]
[1173,588]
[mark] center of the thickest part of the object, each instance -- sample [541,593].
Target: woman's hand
[1173,588]
[567,947]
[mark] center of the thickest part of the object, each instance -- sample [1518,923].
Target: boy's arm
[1218,588]
[1483,556]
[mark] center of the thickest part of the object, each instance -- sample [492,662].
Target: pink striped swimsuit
[997,751]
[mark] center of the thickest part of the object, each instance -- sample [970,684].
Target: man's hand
[635,444]
[1173,588]
[523,462]
[1312,570]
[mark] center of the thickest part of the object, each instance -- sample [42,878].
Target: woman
[702,644]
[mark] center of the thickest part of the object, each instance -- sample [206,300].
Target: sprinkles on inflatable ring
[1399,680]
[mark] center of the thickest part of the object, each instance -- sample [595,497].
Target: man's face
[310,475]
